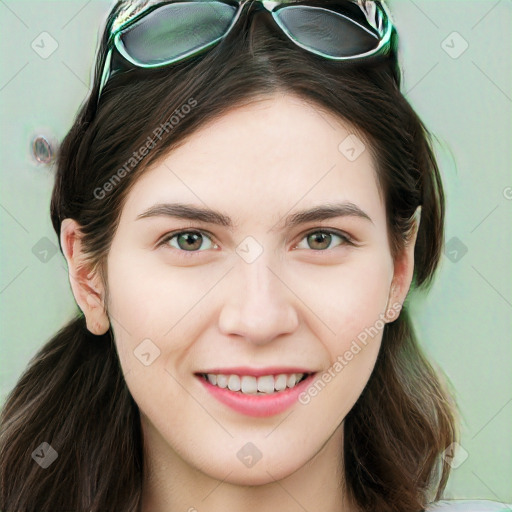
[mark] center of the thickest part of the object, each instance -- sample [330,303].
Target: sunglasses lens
[327,32]
[177,30]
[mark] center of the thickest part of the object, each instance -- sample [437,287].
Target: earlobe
[86,284]
[394,305]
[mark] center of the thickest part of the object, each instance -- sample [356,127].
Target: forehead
[274,153]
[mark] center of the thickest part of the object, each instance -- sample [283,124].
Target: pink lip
[257,405]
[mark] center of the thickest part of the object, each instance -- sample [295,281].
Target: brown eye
[322,240]
[188,241]
[319,240]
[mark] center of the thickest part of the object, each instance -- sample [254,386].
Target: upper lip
[257,372]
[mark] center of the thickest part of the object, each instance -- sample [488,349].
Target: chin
[259,474]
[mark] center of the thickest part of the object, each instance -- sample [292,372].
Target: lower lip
[258,405]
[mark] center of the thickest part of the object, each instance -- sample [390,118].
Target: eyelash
[345,239]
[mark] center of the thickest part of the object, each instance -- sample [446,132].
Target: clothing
[469,506]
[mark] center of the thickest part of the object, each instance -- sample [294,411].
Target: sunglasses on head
[156,34]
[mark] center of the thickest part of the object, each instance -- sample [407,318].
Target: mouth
[252,385]
[257,393]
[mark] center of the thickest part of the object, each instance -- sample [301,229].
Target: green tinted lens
[327,32]
[175,31]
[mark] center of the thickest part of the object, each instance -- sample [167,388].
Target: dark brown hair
[73,394]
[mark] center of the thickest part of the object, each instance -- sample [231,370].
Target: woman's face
[262,296]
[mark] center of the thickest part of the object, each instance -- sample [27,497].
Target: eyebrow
[200,214]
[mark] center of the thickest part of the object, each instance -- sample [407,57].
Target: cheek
[364,302]
[355,312]
[351,302]
[347,298]
[153,301]
[134,303]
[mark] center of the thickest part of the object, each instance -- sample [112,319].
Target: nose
[260,306]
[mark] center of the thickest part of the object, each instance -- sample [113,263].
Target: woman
[244,202]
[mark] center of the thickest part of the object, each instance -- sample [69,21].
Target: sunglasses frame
[385,29]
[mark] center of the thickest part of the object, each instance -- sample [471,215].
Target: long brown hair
[73,395]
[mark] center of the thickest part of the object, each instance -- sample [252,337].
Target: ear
[403,272]
[86,284]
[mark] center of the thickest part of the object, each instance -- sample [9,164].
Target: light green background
[464,323]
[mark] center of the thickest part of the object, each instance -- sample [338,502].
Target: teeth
[222,380]
[280,382]
[266,384]
[234,383]
[251,385]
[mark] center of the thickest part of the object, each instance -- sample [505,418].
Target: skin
[302,302]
